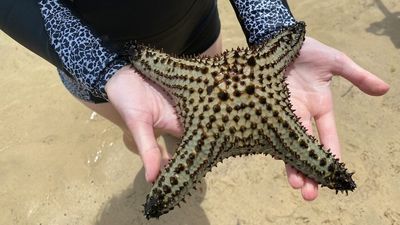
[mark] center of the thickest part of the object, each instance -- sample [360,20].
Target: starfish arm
[194,157]
[177,75]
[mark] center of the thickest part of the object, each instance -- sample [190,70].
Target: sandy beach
[60,164]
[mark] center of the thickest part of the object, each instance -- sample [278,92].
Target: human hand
[146,110]
[309,78]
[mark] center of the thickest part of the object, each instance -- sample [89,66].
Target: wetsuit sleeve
[22,21]
[81,52]
[261,18]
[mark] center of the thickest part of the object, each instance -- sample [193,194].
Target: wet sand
[59,164]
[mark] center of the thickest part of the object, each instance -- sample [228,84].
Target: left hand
[309,79]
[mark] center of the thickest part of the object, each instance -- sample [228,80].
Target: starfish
[233,104]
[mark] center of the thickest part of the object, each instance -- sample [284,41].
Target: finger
[310,190]
[165,155]
[364,80]
[148,148]
[327,132]
[328,136]
[295,178]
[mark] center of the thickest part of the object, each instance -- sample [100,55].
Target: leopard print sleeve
[81,52]
[261,18]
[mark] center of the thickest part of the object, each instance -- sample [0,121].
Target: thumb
[148,148]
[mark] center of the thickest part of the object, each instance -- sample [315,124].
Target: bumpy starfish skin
[234,104]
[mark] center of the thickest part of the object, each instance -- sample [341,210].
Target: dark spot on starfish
[250,89]
[262,100]
[275,113]
[247,116]
[221,128]
[236,118]
[304,144]
[270,95]
[312,154]
[236,93]
[293,134]
[179,168]
[251,77]
[252,104]
[264,120]
[173,180]
[237,107]
[200,90]
[258,112]
[322,162]
[269,107]
[251,61]
[225,119]
[210,89]
[232,130]
[242,129]
[331,167]
[206,107]
[212,118]
[201,99]
[223,96]
[228,109]
[204,70]
[235,78]
[216,108]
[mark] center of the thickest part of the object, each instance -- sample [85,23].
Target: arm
[260,19]
[81,52]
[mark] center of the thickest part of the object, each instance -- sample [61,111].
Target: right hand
[145,109]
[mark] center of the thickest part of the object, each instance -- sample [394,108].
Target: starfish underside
[236,103]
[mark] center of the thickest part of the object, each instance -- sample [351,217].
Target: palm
[146,110]
[309,80]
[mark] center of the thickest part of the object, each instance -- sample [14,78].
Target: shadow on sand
[126,208]
[389,26]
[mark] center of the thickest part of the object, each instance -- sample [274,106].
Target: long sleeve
[81,52]
[261,18]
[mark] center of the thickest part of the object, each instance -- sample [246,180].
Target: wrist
[118,78]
